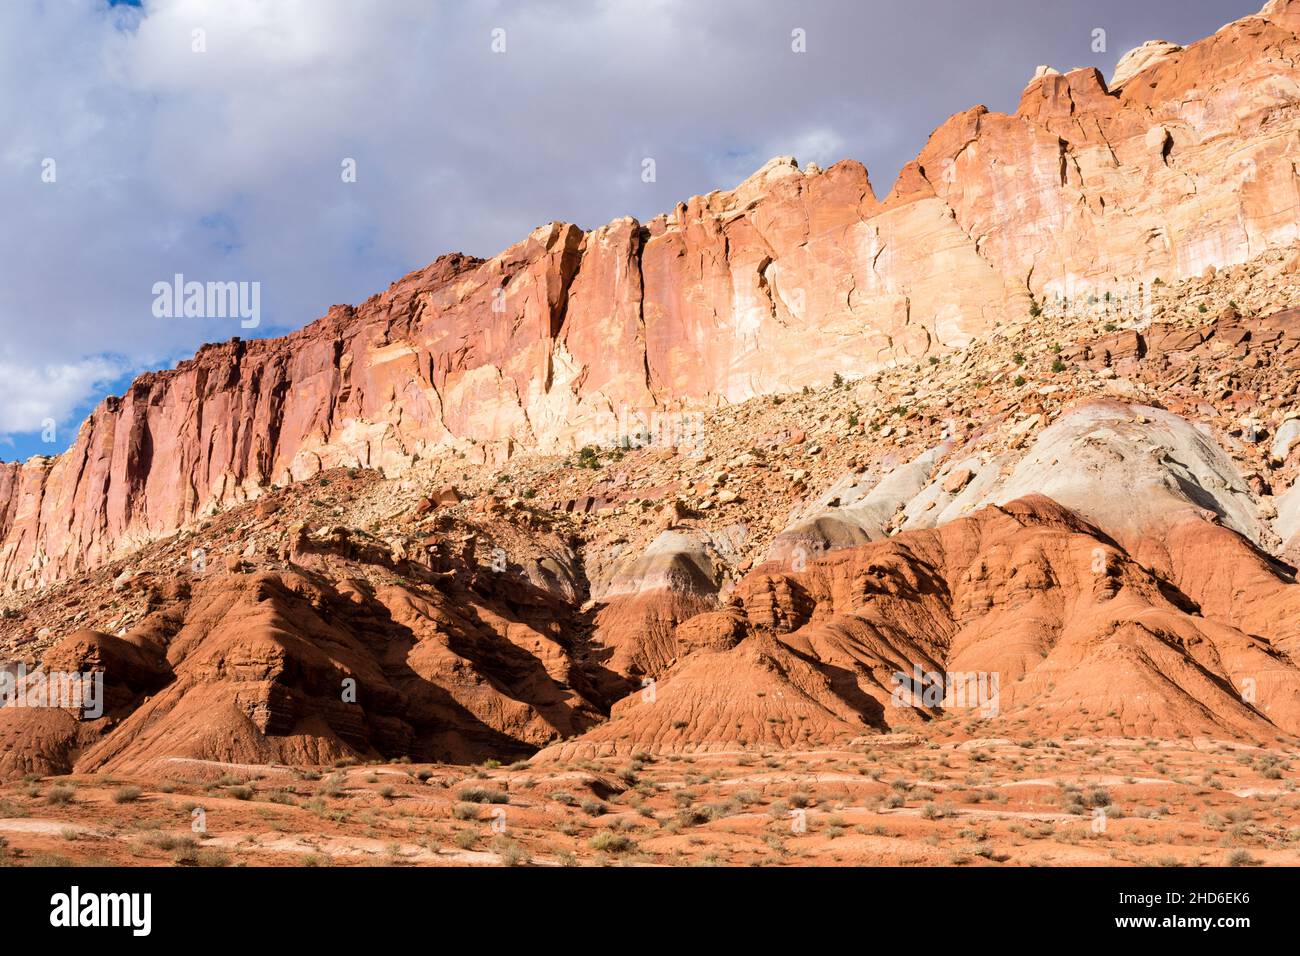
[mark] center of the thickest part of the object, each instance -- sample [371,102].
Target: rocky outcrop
[1130,470]
[1141,58]
[785,281]
[1070,634]
[854,511]
[312,665]
[647,594]
[1090,190]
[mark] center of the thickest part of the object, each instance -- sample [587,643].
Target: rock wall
[790,278]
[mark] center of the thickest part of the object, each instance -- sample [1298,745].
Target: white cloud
[32,396]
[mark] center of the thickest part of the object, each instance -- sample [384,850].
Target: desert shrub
[610,842]
[510,852]
[483,795]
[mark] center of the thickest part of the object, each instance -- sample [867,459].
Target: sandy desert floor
[897,800]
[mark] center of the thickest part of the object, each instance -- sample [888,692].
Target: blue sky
[223,163]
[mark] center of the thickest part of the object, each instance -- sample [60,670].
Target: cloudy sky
[219,153]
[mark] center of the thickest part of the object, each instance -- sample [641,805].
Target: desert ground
[895,800]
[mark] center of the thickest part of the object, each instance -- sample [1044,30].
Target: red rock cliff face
[1185,164]
[793,276]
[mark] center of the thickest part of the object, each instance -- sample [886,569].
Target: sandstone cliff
[790,278]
